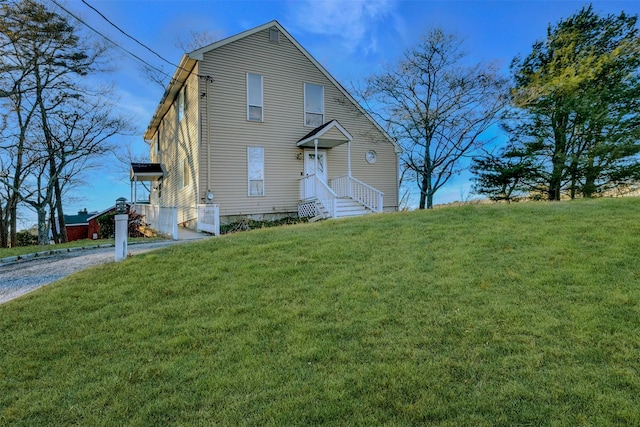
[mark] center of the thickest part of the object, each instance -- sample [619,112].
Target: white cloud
[353,21]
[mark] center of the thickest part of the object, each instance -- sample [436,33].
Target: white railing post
[216,215]
[174,228]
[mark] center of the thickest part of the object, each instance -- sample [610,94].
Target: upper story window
[254,97]
[185,173]
[313,105]
[181,105]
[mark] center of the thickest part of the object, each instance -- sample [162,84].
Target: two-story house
[256,126]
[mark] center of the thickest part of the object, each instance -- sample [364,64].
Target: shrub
[108,225]
[26,238]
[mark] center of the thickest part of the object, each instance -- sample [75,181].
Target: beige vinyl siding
[284,70]
[179,141]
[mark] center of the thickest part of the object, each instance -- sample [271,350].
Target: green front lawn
[493,315]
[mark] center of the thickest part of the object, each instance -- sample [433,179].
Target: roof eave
[184,70]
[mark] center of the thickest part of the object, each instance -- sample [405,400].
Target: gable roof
[109,209]
[189,61]
[324,140]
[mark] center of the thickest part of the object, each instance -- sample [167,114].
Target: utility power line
[136,40]
[109,40]
[129,36]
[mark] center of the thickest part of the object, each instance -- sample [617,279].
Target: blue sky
[352,39]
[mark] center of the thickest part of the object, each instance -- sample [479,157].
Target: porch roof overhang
[146,171]
[329,135]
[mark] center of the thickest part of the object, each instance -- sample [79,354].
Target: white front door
[310,164]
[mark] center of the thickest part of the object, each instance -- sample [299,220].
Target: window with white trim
[313,105]
[255,171]
[184,173]
[254,97]
[181,105]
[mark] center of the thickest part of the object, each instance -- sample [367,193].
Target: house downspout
[208,127]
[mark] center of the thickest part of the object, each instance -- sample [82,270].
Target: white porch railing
[162,219]
[346,186]
[311,186]
[209,219]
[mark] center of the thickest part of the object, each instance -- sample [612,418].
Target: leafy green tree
[579,90]
[438,107]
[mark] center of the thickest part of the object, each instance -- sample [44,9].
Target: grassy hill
[526,314]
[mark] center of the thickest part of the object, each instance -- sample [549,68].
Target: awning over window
[329,135]
[146,171]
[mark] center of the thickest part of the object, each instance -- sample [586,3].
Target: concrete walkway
[188,234]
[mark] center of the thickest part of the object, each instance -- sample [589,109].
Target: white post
[121,236]
[349,159]
[315,144]
[174,222]
[216,216]
[350,193]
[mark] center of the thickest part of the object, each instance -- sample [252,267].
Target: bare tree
[196,40]
[437,107]
[55,123]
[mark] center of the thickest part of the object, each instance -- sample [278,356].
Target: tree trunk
[573,170]
[559,124]
[590,175]
[53,225]
[426,192]
[62,230]
[4,228]
[43,235]
[13,222]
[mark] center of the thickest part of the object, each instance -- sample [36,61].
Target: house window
[274,35]
[181,105]
[184,173]
[255,169]
[254,97]
[313,105]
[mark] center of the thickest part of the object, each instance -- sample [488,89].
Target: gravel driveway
[23,276]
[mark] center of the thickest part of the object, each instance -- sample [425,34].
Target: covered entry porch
[165,219]
[342,196]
